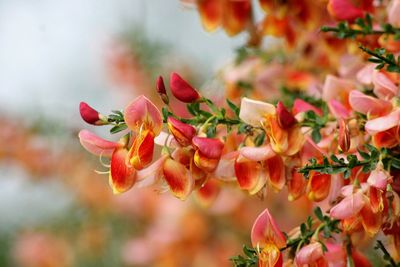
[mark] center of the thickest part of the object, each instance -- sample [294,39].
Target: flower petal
[122,177]
[350,206]
[379,178]
[366,104]
[285,119]
[384,87]
[276,170]
[141,112]
[344,10]
[250,175]
[96,145]
[253,112]
[300,105]
[178,178]
[89,114]
[309,254]
[383,123]
[141,152]
[296,185]
[182,132]
[318,186]
[257,153]
[265,230]
[182,90]
[336,88]
[226,167]
[371,221]
[394,13]
[208,192]
[236,15]
[210,14]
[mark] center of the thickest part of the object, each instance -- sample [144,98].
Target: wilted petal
[253,112]
[383,123]
[309,254]
[142,113]
[366,104]
[265,231]
[122,176]
[182,90]
[300,105]
[383,87]
[318,186]
[250,175]
[182,132]
[348,207]
[394,13]
[257,153]
[141,152]
[276,170]
[97,145]
[208,192]
[178,178]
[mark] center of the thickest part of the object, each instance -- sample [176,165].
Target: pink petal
[366,104]
[209,147]
[265,230]
[152,172]
[257,153]
[142,112]
[338,109]
[96,145]
[253,112]
[226,167]
[334,87]
[383,123]
[379,178]
[383,86]
[344,10]
[165,139]
[182,90]
[364,76]
[300,105]
[394,13]
[348,207]
[309,254]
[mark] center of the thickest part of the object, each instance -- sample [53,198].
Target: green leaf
[118,128]
[316,136]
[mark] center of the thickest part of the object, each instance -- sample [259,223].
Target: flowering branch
[383,59]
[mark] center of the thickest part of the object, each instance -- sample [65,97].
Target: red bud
[285,118]
[161,90]
[182,90]
[89,114]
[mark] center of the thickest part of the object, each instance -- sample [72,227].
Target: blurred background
[54,209]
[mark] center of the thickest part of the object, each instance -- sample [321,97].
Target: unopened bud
[161,90]
[90,115]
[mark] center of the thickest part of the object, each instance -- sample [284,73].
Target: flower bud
[161,90]
[182,132]
[344,136]
[285,118]
[182,90]
[90,115]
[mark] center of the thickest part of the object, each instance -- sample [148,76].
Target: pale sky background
[52,57]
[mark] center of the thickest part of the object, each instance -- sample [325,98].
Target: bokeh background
[54,209]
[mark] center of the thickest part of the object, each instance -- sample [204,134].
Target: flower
[90,115]
[268,239]
[182,90]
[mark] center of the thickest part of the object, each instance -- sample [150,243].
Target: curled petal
[208,192]
[210,14]
[250,175]
[383,123]
[142,113]
[300,105]
[366,104]
[394,13]
[265,231]
[383,86]
[178,178]
[122,176]
[276,170]
[97,145]
[253,112]
[257,153]
[318,186]
[182,90]
[182,132]
[285,119]
[309,254]
[350,206]
[141,152]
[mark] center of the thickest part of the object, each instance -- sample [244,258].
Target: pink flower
[368,105]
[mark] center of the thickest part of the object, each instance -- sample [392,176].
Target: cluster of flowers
[337,144]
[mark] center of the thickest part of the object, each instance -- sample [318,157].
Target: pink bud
[182,90]
[285,118]
[161,90]
[89,114]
